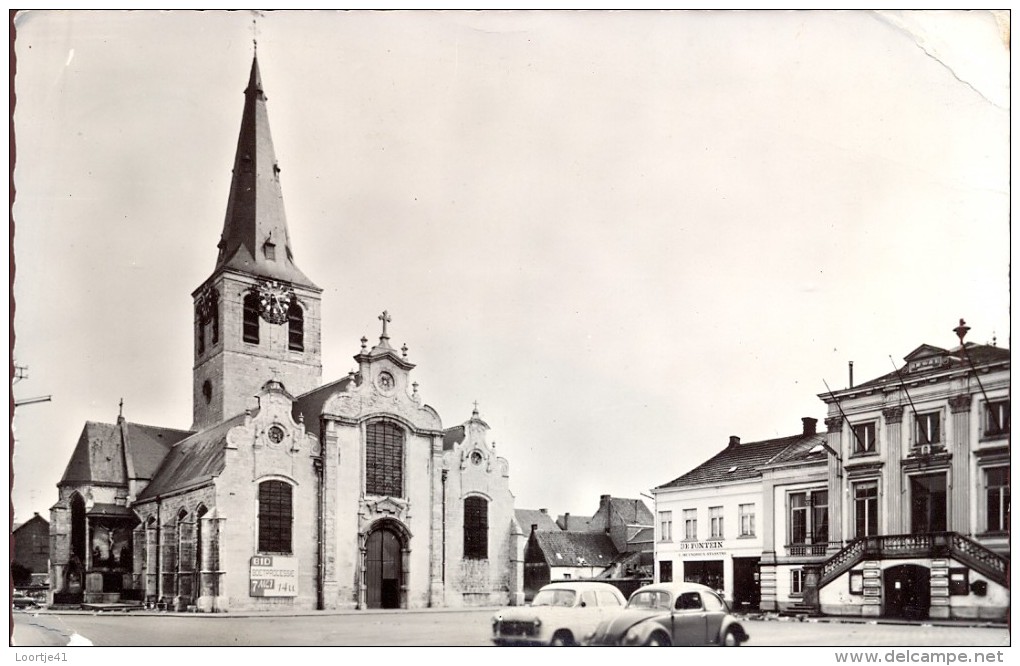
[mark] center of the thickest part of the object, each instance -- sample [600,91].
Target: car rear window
[554,598]
[649,600]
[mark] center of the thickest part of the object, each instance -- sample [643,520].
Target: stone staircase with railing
[902,546]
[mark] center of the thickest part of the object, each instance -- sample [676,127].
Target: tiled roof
[193,460]
[645,534]
[740,461]
[528,517]
[979,355]
[572,523]
[576,549]
[632,511]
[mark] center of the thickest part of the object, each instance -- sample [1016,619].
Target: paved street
[427,628]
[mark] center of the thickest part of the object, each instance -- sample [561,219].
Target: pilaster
[894,505]
[834,438]
[959,516]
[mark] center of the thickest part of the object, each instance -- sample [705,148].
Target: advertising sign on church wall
[273,576]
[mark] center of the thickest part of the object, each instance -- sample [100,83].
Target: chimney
[734,441]
[534,528]
[851,374]
[809,425]
[604,500]
[566,521]
[545,511]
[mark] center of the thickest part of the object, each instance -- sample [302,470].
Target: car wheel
[562,639]
[658,640]
[731,639]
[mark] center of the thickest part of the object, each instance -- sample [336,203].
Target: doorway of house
[907,591]
[382,569]
[746,586]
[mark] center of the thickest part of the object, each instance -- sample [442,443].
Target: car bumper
[522,641]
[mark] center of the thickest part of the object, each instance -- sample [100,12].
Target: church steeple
[257,316]
[255,239]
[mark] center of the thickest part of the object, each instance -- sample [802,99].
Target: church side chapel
[284,493]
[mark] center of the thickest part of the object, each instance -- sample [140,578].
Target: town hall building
[285,492]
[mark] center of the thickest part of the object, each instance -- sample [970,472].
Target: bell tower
[257,317]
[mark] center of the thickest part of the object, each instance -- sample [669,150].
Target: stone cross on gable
[385,319]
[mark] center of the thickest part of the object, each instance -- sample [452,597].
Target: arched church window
[275,517]
[79,543]
[295,327]
[251,318]
[200,330]
[476,528]
[199,515]
[384,459]
[216,319]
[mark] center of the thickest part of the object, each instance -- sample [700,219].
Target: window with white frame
[928,429]
[864,437]
[690,524]
[665,526]
[746,520]
[809,516]
[997,499]
[996,418]
[866,508]
[796,582]
[715,521]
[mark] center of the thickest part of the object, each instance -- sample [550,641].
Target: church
[285,493]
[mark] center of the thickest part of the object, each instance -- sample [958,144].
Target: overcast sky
[628,236]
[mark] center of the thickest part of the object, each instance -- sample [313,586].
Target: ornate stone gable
[273,428]
[382,393]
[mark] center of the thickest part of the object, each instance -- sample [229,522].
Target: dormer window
[269,250]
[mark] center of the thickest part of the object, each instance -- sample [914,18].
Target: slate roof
[979,355]
[310,404]
[528,517]
[255,212]
[576,549]
[110,510]
[454,436]
[743,459]
[99,456]
[192,461]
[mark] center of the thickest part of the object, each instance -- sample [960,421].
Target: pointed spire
[255,238]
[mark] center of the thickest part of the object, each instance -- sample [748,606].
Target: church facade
[285,492]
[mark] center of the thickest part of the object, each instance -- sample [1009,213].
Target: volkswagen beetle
[671,614]
[560,614]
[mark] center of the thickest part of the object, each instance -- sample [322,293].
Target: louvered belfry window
[476,528]
[384,460]
[275,517]
[295,327]
[251,318]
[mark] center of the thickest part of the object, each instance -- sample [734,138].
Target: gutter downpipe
[443,477]
[320,603]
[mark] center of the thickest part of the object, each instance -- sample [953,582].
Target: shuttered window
[251,318]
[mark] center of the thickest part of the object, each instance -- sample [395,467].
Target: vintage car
[560,614]
[671,614]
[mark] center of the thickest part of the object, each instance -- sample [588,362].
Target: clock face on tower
[274,300]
